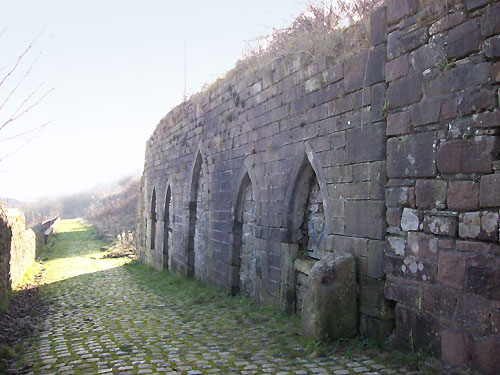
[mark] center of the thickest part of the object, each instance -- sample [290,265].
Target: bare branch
[18,149]
[26,74]
[26,132]
[18,113]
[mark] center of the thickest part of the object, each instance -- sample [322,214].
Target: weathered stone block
[467,156]
[396,245]
[463,40]
[393,216]
[398,9]
[375,329]
[489,226]
[438,300]
[472,308]
[375,259]
[378,101]
[418,329]
[447,22]
[430,194]
[477,102]
[365,219]
[491,47]
[488,120]
[469,225]
[451,270]
[490,21]
[463,195]
[473,247]
[449,109]
[441,225]
[354,72]
[330,309]
[475,4]
[365,143]
[405,91]
[375,68]
[413,155]
[424,113]
[422,246]
[454,347]
[378,26]
[484,280]
[396,68]
[485,354]
[398,123]
[410,220]
[459,78]
[412,40]
[396,196]
[372,301]
[489,193]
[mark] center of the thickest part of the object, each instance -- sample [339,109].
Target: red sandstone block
[472,309]
[398,123]
[451,269]
[463,39]
[473,247]
[467,156]
[398,9]
[396,68]
[463,195]
[489,192]
[488,120]
[486,354]
[430,194]
[449,109]
[446,244]
[453,347]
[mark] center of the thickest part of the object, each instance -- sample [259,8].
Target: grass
[75,242]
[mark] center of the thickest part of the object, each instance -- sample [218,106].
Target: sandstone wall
[17,250]
[5,235]
[389,155]
[22,246]
[442,195]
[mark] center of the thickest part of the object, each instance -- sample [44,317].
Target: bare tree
[15,101]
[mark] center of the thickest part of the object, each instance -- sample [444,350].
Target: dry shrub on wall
[339,29]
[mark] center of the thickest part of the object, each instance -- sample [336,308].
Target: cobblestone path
[119,321]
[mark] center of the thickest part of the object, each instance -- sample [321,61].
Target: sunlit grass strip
[74,251]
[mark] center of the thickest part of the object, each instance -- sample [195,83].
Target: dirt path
[110,317]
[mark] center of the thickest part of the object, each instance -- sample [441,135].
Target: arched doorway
[167,228]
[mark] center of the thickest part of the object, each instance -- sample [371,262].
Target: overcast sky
[117,67]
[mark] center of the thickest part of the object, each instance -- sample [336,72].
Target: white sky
[117,67]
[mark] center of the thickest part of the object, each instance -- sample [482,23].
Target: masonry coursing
[403,143]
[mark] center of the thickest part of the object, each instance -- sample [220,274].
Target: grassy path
[113,316]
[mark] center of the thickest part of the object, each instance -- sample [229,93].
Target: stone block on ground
[330,304]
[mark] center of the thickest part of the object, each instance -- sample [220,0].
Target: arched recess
[153,220]
[198,219]
[245,211]
[307,217]
[168,220]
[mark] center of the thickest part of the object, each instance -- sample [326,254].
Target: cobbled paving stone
[108,323]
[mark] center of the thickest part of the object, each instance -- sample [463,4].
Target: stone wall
[5,236]
[442,195]
[390,155]
[17,250]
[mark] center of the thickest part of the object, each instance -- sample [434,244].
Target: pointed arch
[198,207]
[168,216]
[245,210]
[153,219]
[306,164]
[307,216]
